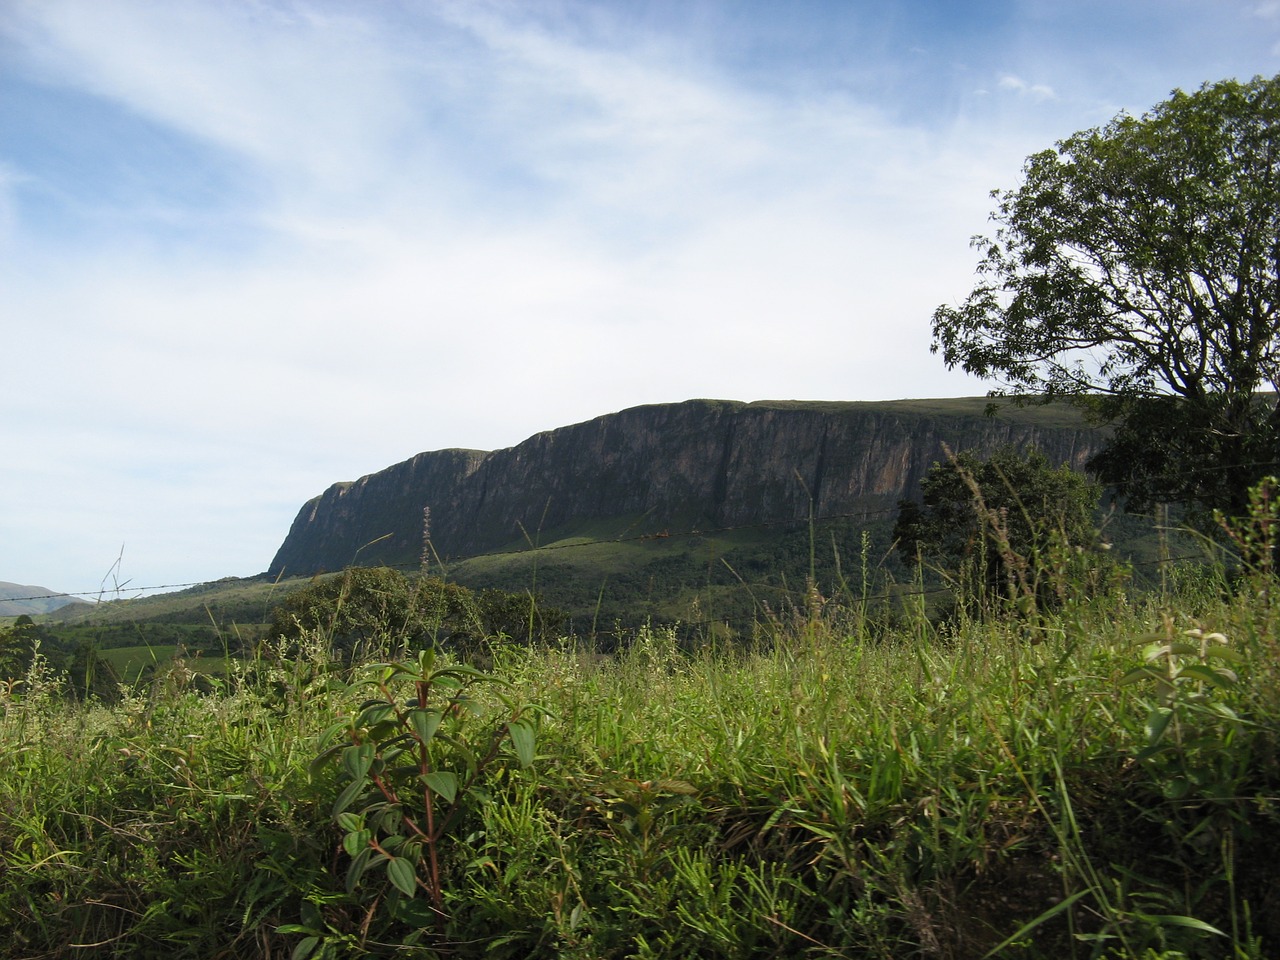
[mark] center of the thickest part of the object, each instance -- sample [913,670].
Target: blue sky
[249,248]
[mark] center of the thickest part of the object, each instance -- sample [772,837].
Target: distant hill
[671,468]
[17,599]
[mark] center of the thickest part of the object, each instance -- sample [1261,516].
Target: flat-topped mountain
[678,467]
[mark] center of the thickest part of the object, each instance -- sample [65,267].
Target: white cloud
[303,95]
[1036,91]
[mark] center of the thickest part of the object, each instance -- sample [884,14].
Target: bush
[1006,527]
[371,611]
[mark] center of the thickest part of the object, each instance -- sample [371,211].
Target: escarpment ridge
[699,464]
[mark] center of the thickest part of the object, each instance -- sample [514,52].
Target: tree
[18,646]
[366,609]
[1001,517]
[1135,272]
[89,675]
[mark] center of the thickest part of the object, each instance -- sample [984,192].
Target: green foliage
[91,675]
[1256,535]
[1135,270]
[414,771]
[1013,518]
[372,611]
[18,645]
[362,609]
[167,825]
[728,582]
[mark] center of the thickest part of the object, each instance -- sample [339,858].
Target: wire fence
[124,591]
[120,591]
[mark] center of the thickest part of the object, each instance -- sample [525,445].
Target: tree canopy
[1135,271]
[1003,515]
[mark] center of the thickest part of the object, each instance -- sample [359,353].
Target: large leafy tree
[1135,271]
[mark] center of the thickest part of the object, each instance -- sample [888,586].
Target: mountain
[659,470]
[17,599]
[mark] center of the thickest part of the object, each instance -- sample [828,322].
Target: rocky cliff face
[701,464]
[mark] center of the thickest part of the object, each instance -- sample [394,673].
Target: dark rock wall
[701,464]
[349,523]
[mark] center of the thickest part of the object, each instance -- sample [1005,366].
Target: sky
[251,248]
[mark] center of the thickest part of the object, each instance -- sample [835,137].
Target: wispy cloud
[1036,91]
[297,94]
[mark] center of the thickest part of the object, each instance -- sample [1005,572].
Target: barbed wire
[664,535]
[101,592]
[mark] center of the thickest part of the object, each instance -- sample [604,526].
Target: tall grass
[1105,785]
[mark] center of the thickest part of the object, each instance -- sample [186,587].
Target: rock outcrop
[701,464]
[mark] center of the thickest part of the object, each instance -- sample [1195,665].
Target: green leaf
[1146,753]
[356,841]
[416,913]
[402,875]
[1218,677]
[373,713]
[1145,672]
[1222,710]
[1177,788]
[348,794]
[464,671]
[1157,722]
[356,760]
[825,832]
[383,729]
[425,722]
[331,732]
[464,751]
[1157,650]
[443,782]
[304,948]
[359,864]
[390,819]
[350,822]
[522,739]
[1180,921]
